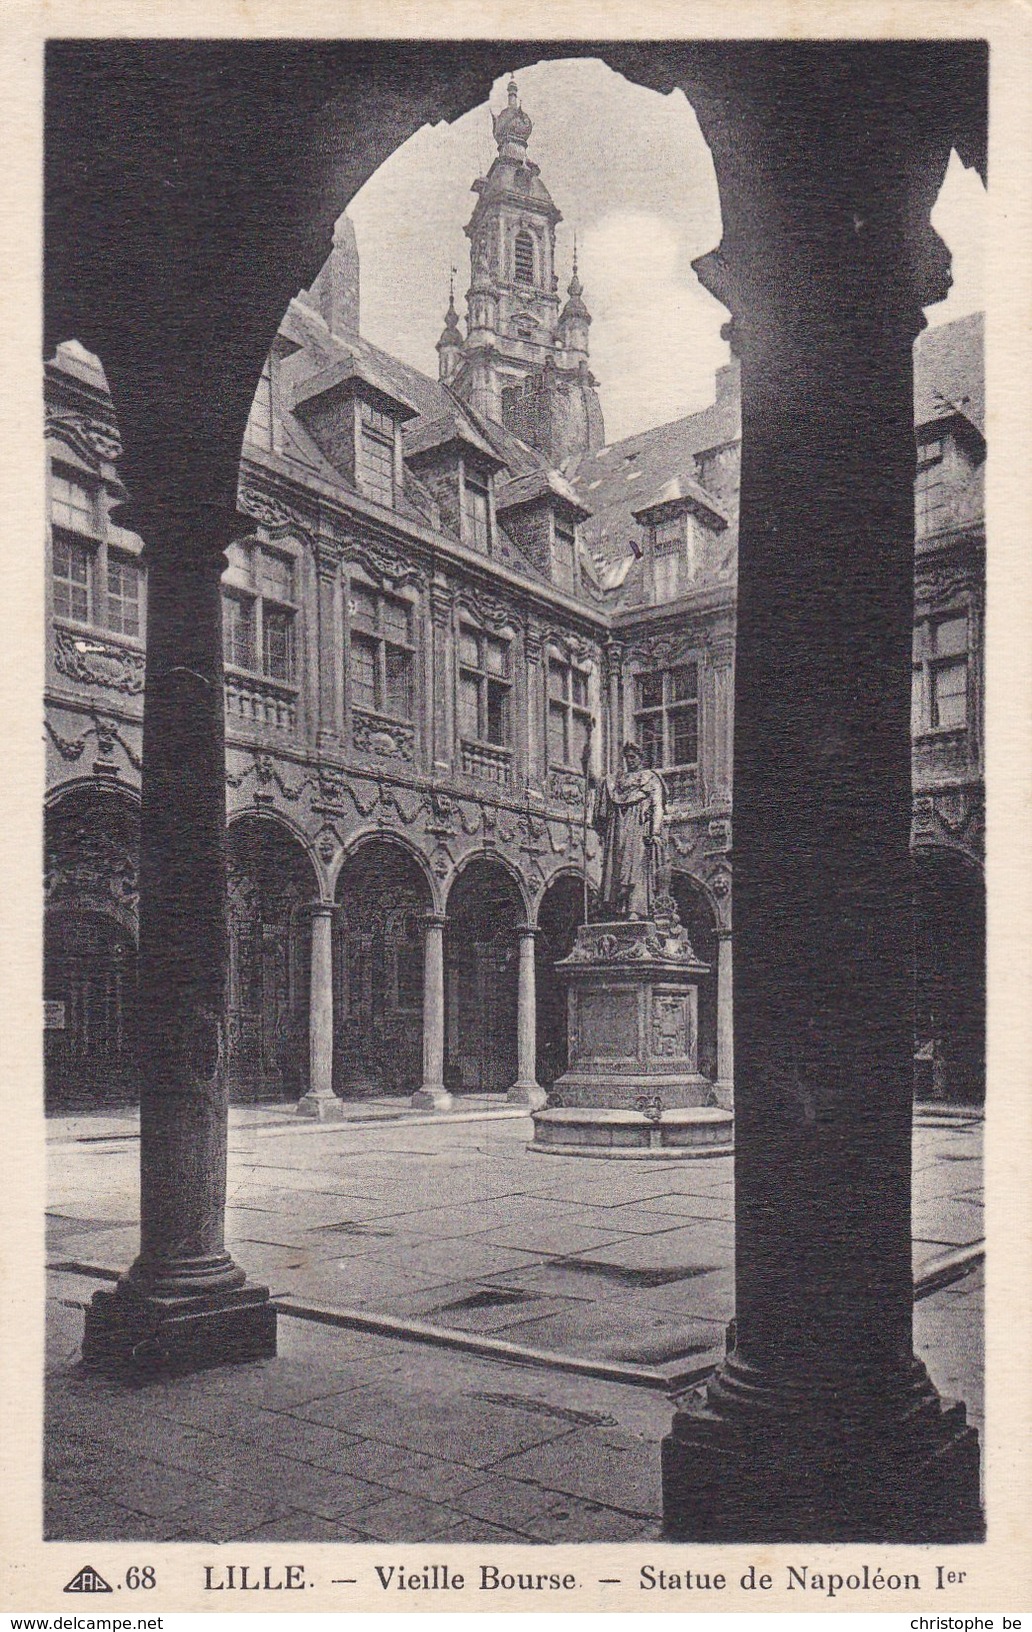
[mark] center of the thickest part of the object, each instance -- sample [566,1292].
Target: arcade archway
[91,841]
[559,917]
[384,896]
[271,885]
[480,972]
[949,978]
[698,919]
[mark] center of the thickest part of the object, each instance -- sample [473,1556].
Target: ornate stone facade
[431,633]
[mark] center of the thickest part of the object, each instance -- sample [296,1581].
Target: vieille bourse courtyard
[453,1241]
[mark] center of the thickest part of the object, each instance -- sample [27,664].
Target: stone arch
[90,873]
[508,867]
[272,881]
[487,901]
[560,912]
[384,893]
[949,975]
[377,835]
[700,916]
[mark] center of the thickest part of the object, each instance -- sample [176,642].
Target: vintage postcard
[517,929]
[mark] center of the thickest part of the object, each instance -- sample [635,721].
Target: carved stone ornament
[373,735]
[384,566]
[489,610]
[91,661]
[327,843]
[90,438]
[272,511]
[566,787]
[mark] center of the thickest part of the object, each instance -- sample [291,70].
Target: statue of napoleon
[628,817]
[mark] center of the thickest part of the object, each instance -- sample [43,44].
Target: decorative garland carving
[385,567]
[488,609]
[90,438]
[91,661]
[272,512]
[266,775]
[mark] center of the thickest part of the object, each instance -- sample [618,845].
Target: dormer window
[669,557]
[477,513]
[929,487]
[524,258]
[375,463]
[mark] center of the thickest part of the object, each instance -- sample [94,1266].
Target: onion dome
[450,335]
[512,125]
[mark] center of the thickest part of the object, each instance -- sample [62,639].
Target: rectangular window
[376,455]
[71,579]
[484,686]
[569,719]
[667,716]
[123,596]
[238,631]
[277,576]
[669,550]
[478,516]
[382,653]
[277,643]
[71,504]
[940,674]
[565,547]
[930,488]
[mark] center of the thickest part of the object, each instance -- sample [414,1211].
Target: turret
[574,320]
[449,346]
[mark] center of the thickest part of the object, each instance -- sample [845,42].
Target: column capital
[435,920]
[527,932]
[322,909]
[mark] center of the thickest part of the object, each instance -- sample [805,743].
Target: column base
[125,1330]
[432,1099]
[530,1094]
[320,1107]
[908,1475]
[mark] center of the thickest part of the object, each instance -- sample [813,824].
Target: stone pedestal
[633,1009]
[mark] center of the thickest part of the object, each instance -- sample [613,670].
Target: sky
[633,178]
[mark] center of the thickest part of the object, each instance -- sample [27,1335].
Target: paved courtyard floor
[455,1226]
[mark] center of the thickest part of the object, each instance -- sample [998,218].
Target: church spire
[512,127]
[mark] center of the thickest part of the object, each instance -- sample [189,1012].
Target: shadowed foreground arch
[206,187]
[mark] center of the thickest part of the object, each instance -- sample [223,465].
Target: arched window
[524,258]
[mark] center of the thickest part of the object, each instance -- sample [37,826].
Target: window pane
[684,683]
[918,722]
[363,672]
[497,700]
[667,576]
[951,637]
[469,706]
[497,656]
[669,535]
[558,674]
[683,737]
[376,467]
[579,687]
[71,504]
[279,644]
[650,690]
[949,691]
[277,576]
[556,735]
[564,557]
[362,607]
[469,649]
[237,632]
[395,615]
[398,671]
[477,517]
[578,737]
[123,597]
[650,738]
[71,580]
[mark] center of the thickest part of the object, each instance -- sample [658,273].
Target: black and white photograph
[513,929]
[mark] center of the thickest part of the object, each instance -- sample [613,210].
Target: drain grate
[637,1278]
[544,1408]
[489,1297]
[348,1226]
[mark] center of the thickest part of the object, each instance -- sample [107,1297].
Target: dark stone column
[820,1424]
[184,1302]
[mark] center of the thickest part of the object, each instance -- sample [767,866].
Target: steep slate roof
[949,372]
[615,481]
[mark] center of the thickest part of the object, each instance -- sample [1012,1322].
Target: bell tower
[523,364]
